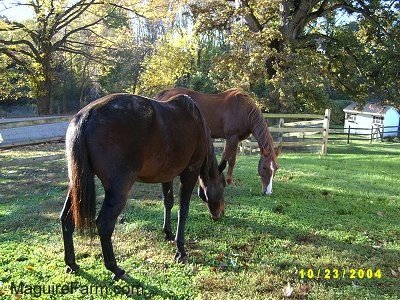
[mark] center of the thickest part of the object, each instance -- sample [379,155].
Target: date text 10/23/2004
[340,273]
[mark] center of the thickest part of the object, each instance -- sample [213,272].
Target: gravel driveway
[31,134]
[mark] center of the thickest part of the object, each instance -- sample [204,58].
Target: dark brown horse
[122,138]
[232,115]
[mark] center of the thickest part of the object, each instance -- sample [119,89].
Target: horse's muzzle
[218,216]
[267,193]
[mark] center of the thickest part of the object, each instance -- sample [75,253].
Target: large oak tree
[57,26]
[303,47]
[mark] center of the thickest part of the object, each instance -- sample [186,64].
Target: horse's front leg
[229,155]
[188,181]
[168,198]
[67,228]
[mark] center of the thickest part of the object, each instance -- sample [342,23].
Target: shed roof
[369,108]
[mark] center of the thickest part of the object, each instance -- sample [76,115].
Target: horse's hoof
[169,237]
[122,275]
[72,269]
[125,277]
[181,257]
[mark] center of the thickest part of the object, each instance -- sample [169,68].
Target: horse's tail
[81,177]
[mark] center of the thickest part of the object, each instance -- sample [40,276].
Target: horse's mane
[187,103]
[209,167]
[258,125]
[210,164]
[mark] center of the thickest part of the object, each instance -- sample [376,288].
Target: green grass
[339,212]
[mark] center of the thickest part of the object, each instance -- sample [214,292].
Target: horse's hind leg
[168,198]
[114,203]
[67,227]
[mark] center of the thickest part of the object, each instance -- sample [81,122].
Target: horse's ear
[278,150]
[222,166]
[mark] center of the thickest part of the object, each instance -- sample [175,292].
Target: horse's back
[133,134]
[225,112]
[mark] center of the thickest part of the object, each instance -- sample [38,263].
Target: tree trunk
[45,88]
[83,84]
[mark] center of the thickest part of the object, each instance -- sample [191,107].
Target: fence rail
[374,133]
[290,130]
[295,133]
[304,133]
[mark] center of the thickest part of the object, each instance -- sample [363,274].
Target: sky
[9,9]
[15,12]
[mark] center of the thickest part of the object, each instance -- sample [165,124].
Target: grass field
[331,230]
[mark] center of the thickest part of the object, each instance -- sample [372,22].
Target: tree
[298,47]
[135,43]
[32,45]
[12,80]
[170,61]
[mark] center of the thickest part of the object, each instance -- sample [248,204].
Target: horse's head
[267,167]
[211,191]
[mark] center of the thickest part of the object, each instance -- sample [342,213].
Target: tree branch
[17,60]
[34,53]
[59,43]
[72,13]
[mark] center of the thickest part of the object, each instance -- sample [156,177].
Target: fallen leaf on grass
[394,273]
[214,269]
[304,288]
[192,242]
[195,270]
[287,290]
[30,268]
[150,260]
[220,257]
[354,286]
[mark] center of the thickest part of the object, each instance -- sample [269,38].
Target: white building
[373,119]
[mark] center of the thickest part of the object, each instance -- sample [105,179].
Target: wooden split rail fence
[305,130]
[295,131]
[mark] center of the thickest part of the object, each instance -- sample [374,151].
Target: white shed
[372,116]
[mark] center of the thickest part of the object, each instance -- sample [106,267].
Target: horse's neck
[259,129]
[206,171]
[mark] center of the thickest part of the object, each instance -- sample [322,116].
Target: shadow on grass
[41,214]
[130,287]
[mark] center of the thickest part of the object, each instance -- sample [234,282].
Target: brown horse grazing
[122,138]
[232,115]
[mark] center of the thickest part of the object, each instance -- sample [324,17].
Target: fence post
[348,135]
[372,134]
[280,134]
[327,119]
